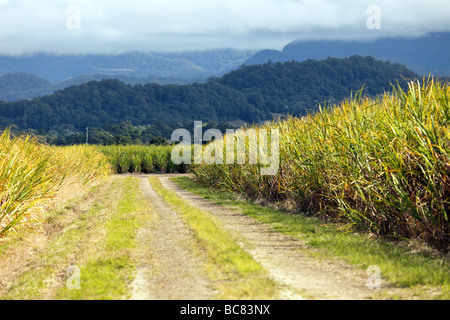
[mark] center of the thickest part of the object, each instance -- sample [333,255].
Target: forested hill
[251,94]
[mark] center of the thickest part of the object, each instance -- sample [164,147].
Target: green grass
[399,264]
[240,276]
[106,274]
[100,241]
[32,282]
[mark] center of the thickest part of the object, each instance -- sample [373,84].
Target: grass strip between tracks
[237,274]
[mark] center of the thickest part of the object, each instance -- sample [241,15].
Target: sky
[101,26]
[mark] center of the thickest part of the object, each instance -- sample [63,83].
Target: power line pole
[87,135]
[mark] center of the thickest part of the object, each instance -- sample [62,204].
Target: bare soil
[170,267]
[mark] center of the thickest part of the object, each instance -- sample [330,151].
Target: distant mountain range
[30,76]
[251,94]
[423,55]
[185,65]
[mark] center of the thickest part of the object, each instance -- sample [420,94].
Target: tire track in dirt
[285,258]
[170,268]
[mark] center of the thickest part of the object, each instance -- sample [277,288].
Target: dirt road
[178,274]
[168,260]
[176,269]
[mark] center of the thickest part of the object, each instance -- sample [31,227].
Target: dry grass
[32,176]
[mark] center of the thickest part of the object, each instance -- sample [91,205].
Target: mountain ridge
[424,55]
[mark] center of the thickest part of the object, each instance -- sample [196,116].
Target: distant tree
[159,141]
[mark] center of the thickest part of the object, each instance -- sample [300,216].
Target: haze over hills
[423,55]
[185,65]
[50,72]
[31,76]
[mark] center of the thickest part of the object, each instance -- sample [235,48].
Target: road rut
[175,271]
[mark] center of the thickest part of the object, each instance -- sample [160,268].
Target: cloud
[168,25]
